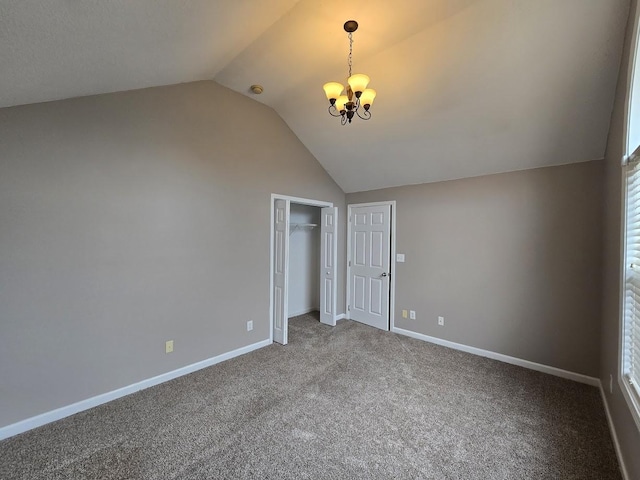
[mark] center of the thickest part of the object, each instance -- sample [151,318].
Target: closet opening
[304,259]
[303,262]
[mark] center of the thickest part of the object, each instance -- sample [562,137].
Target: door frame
[289,199]
[392,259]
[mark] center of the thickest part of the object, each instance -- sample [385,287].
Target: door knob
[384,274]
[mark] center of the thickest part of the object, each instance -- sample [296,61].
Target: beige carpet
[348,402]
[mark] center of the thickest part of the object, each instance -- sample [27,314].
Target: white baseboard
[558,372]
[59,413]
[614,435]
[315,309]
[303,311]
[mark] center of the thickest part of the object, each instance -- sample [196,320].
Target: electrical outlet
[404,314]
[249,325]
[441,321]
[412,314]
[168,346]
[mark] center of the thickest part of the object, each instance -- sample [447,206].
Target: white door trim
[392,260]
[303,201]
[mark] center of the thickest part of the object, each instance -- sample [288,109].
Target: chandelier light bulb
[341,103]
[366,99]
[333,90]
[358,83]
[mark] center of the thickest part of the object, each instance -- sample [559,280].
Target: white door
[281,272]
[328,260]
[369,275]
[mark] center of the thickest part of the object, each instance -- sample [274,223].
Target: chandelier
[346,106]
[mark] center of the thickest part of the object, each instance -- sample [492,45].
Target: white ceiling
[465,87]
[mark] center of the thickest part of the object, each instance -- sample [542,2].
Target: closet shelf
[301,226]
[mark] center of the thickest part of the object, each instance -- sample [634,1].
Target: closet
[304,259]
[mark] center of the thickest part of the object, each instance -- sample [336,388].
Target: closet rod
[300,226]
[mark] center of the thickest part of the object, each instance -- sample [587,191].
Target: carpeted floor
[347,402]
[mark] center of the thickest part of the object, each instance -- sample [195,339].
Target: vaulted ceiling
[465,87]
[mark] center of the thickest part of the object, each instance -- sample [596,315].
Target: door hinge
[349,262]
[348,308]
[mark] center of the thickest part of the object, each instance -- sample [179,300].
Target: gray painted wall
[130,219]
[512,261]
[626,429]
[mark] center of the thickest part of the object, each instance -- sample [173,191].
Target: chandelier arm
[343,120]
[365,116]
[332,109]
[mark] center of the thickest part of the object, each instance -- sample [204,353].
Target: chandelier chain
[350,51]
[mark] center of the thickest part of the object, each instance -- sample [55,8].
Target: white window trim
[630,396]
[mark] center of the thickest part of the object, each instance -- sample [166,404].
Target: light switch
[404,314]
[400,257]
